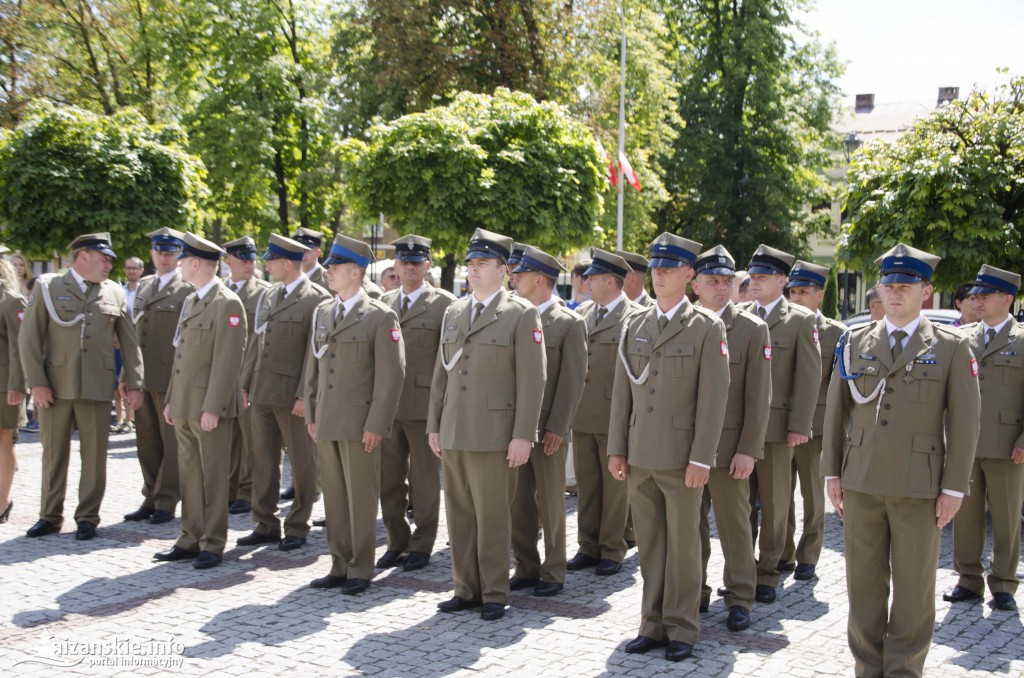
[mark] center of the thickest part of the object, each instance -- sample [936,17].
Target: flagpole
[622,127]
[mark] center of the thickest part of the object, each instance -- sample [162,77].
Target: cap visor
[477,254]
[801,283]
[662,262]
[982,289]
[901,278]
[764,270]
[718,271]
[414,258]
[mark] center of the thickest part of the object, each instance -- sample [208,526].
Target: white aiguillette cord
[855,391]
[44,284]
[317,352]
[186,308]
[642,379]
[448,364]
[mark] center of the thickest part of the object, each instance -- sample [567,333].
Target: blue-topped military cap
[194,246]
[309,238]
[242,248]
[806,274]
[538,261]
[94,241]
[166,240]
[715,261]
[905,264]
[606,263]
[486,244]
[770,261]
[672,251]
[414,248]
[346,250]
[280,247]
[516,255]
[991,279]
[638,263]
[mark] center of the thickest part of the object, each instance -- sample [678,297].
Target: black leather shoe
[677,651]
[85,531]
[723,591]
[705,605]
[803,572]
[389,559]
[175,554]
[739,619]
[1004,601]
[354,586]
[239,506]
[764,594]
[291,542]
[631,543]
[415,561]
[41,528]
[331,581]
[289,494]
[320,522]
[492,611]
[255,538]
[160,516]
[457,604]
[785,566]
[207,559]
[959,594]
[642,644]
[520,583]
[606,567]
[546,589]
[581,561]
[141,513]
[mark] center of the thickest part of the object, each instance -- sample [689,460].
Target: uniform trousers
[351,483]
[240,484]
[731,501]
[204,458]
[774,477]
[806,467]
[406,455]
[540,503]
[603,501]
[274,426]
[478,491]
[92,418]
[158,453]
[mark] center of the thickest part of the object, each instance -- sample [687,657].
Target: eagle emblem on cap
[759,250]
[900,251]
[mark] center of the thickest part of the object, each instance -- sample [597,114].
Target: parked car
[936,315]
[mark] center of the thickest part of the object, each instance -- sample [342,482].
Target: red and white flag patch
[814,336]
[21,316]
[767,352]
[234,320]
[974,367]
[396,336]
[724,348]
[538,336]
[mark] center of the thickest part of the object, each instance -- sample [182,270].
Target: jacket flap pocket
[855,436]
[1010,417]
[352,336]
[683,420]
[679,349]
[500,401]
[423,324]
[359,398]
[496,340]
[1007,360]
[931,372]
[928,444]
[780,342]
[608,338]
[200,323]
[285,368]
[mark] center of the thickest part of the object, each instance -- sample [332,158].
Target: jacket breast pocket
[929,383]
[420,331]
[780,343]
[493,347]
[1011,365]
[449,344]
[353,345]
[291,325]
[679,359]
[199,330]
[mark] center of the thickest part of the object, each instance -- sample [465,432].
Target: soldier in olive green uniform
[634,285]
[355,369]
[742,441]
[539,500]
[807,288]
[202,398]
[241,260]
[485,404]
[893,470]
[158,303]
[603,502]
[796,377]
[997,476]
[668,409]
[67,351]
[12,379]
[408,469]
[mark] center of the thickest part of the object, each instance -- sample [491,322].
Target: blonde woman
[23,272]
[12,379]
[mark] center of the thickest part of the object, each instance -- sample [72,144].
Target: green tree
[830,304]
[953,185]
[65,171]
[758,95]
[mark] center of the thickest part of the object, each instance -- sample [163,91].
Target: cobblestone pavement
[104,607]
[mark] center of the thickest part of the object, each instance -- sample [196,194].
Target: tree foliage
[954,185]
[830,304]
[65,172]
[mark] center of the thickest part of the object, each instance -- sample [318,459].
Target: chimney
[947,94]
[865,103]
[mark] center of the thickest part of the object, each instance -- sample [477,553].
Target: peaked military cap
[94,241]
[346,250]
[539,261]
[906,264]
[309,237]
[242,248]
[414,248]
[607,263]
[280,247]
[991,279]
[638,263]
[517,254]
[770,261]
[806,274]
[166,240]
[715,261]
[194,246]
[673,251]
[4,249]
[488,244]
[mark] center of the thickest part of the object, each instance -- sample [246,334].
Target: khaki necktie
[339,310]
[478,308]
[405,307]
[897,345]
[662,323]
[282,294]
[990,334]
[761,313]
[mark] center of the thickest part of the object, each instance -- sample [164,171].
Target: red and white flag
[627,172]
[613,175]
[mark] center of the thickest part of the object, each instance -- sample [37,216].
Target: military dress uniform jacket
[645,300]
[829,332]
[900,447]
[272,373]
[750,386]
[12,313]
[421,332]
[208,357]
[77,361]
[595,405]
[156,316]
[495,386]
[674,415]
[355,382]
[1001,371]
[565,343]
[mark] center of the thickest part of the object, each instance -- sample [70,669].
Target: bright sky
[904,50]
